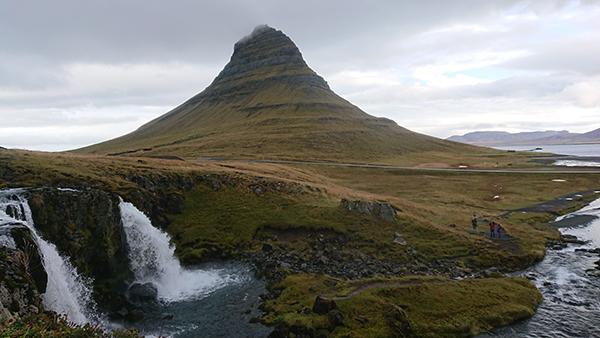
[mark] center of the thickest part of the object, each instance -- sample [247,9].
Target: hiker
[474,223]
[499,230]
[492,229]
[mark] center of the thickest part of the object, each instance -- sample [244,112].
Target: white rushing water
[152,259]
[576,163]
[570,283]
[67,292]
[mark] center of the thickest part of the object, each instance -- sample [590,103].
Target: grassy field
[404,307]
[231,208]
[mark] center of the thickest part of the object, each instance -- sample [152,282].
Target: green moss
[51,325]
[223,221]
[403,307]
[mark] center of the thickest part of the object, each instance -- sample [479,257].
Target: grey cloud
[165,52]
[578,54]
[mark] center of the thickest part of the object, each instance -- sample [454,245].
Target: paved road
[548,170]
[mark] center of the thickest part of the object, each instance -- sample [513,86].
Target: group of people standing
[496,229]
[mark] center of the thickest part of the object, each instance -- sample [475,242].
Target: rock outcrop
[382,210]
[22,274]
[85,225]
[142,292]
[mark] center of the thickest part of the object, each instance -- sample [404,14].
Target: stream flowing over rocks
[569,278]
[97,259]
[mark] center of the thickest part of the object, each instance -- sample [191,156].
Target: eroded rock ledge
[379,209]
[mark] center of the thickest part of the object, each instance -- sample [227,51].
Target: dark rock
[135,315]
[122,312]
[323,305]
[85,225]
[22,276]
[491,272]
[335,317]
[571,239]
[167,316]
[26,244]
[257,189]
[398,321]
[141,293]
[280,331]
[266,247]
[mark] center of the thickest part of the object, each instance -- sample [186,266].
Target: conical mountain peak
[267,103]
[264,54]
[265,42]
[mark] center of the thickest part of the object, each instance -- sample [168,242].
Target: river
[563,149]
[570,284]
[225,312]
[578,155]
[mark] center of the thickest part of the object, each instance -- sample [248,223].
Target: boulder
[379,209]
[280,331]
[142,292]
[571,239]
[323,305]
[335,317]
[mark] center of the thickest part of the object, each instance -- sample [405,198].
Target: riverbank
[365,307]
[569,279]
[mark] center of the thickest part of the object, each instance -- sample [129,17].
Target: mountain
[267,103]
[502,138]
[505,138]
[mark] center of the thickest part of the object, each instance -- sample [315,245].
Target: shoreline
[561,205]
[567,278]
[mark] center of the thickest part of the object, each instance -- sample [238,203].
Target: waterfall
[152,259]
[67,292]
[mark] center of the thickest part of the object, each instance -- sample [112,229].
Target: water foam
[576,163]
[152,259]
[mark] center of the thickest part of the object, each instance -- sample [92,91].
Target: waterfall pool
[212,300]
[215,300]
[226,312]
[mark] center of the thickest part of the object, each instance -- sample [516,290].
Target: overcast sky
[73,73]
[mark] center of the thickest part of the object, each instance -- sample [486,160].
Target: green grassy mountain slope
[267,103]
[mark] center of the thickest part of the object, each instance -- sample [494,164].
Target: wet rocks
[571,239]
[142,292]
[22,276]
[564,241]
[556,245]
[85,225]
[382,210]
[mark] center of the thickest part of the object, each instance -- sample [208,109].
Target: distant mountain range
[534,138]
